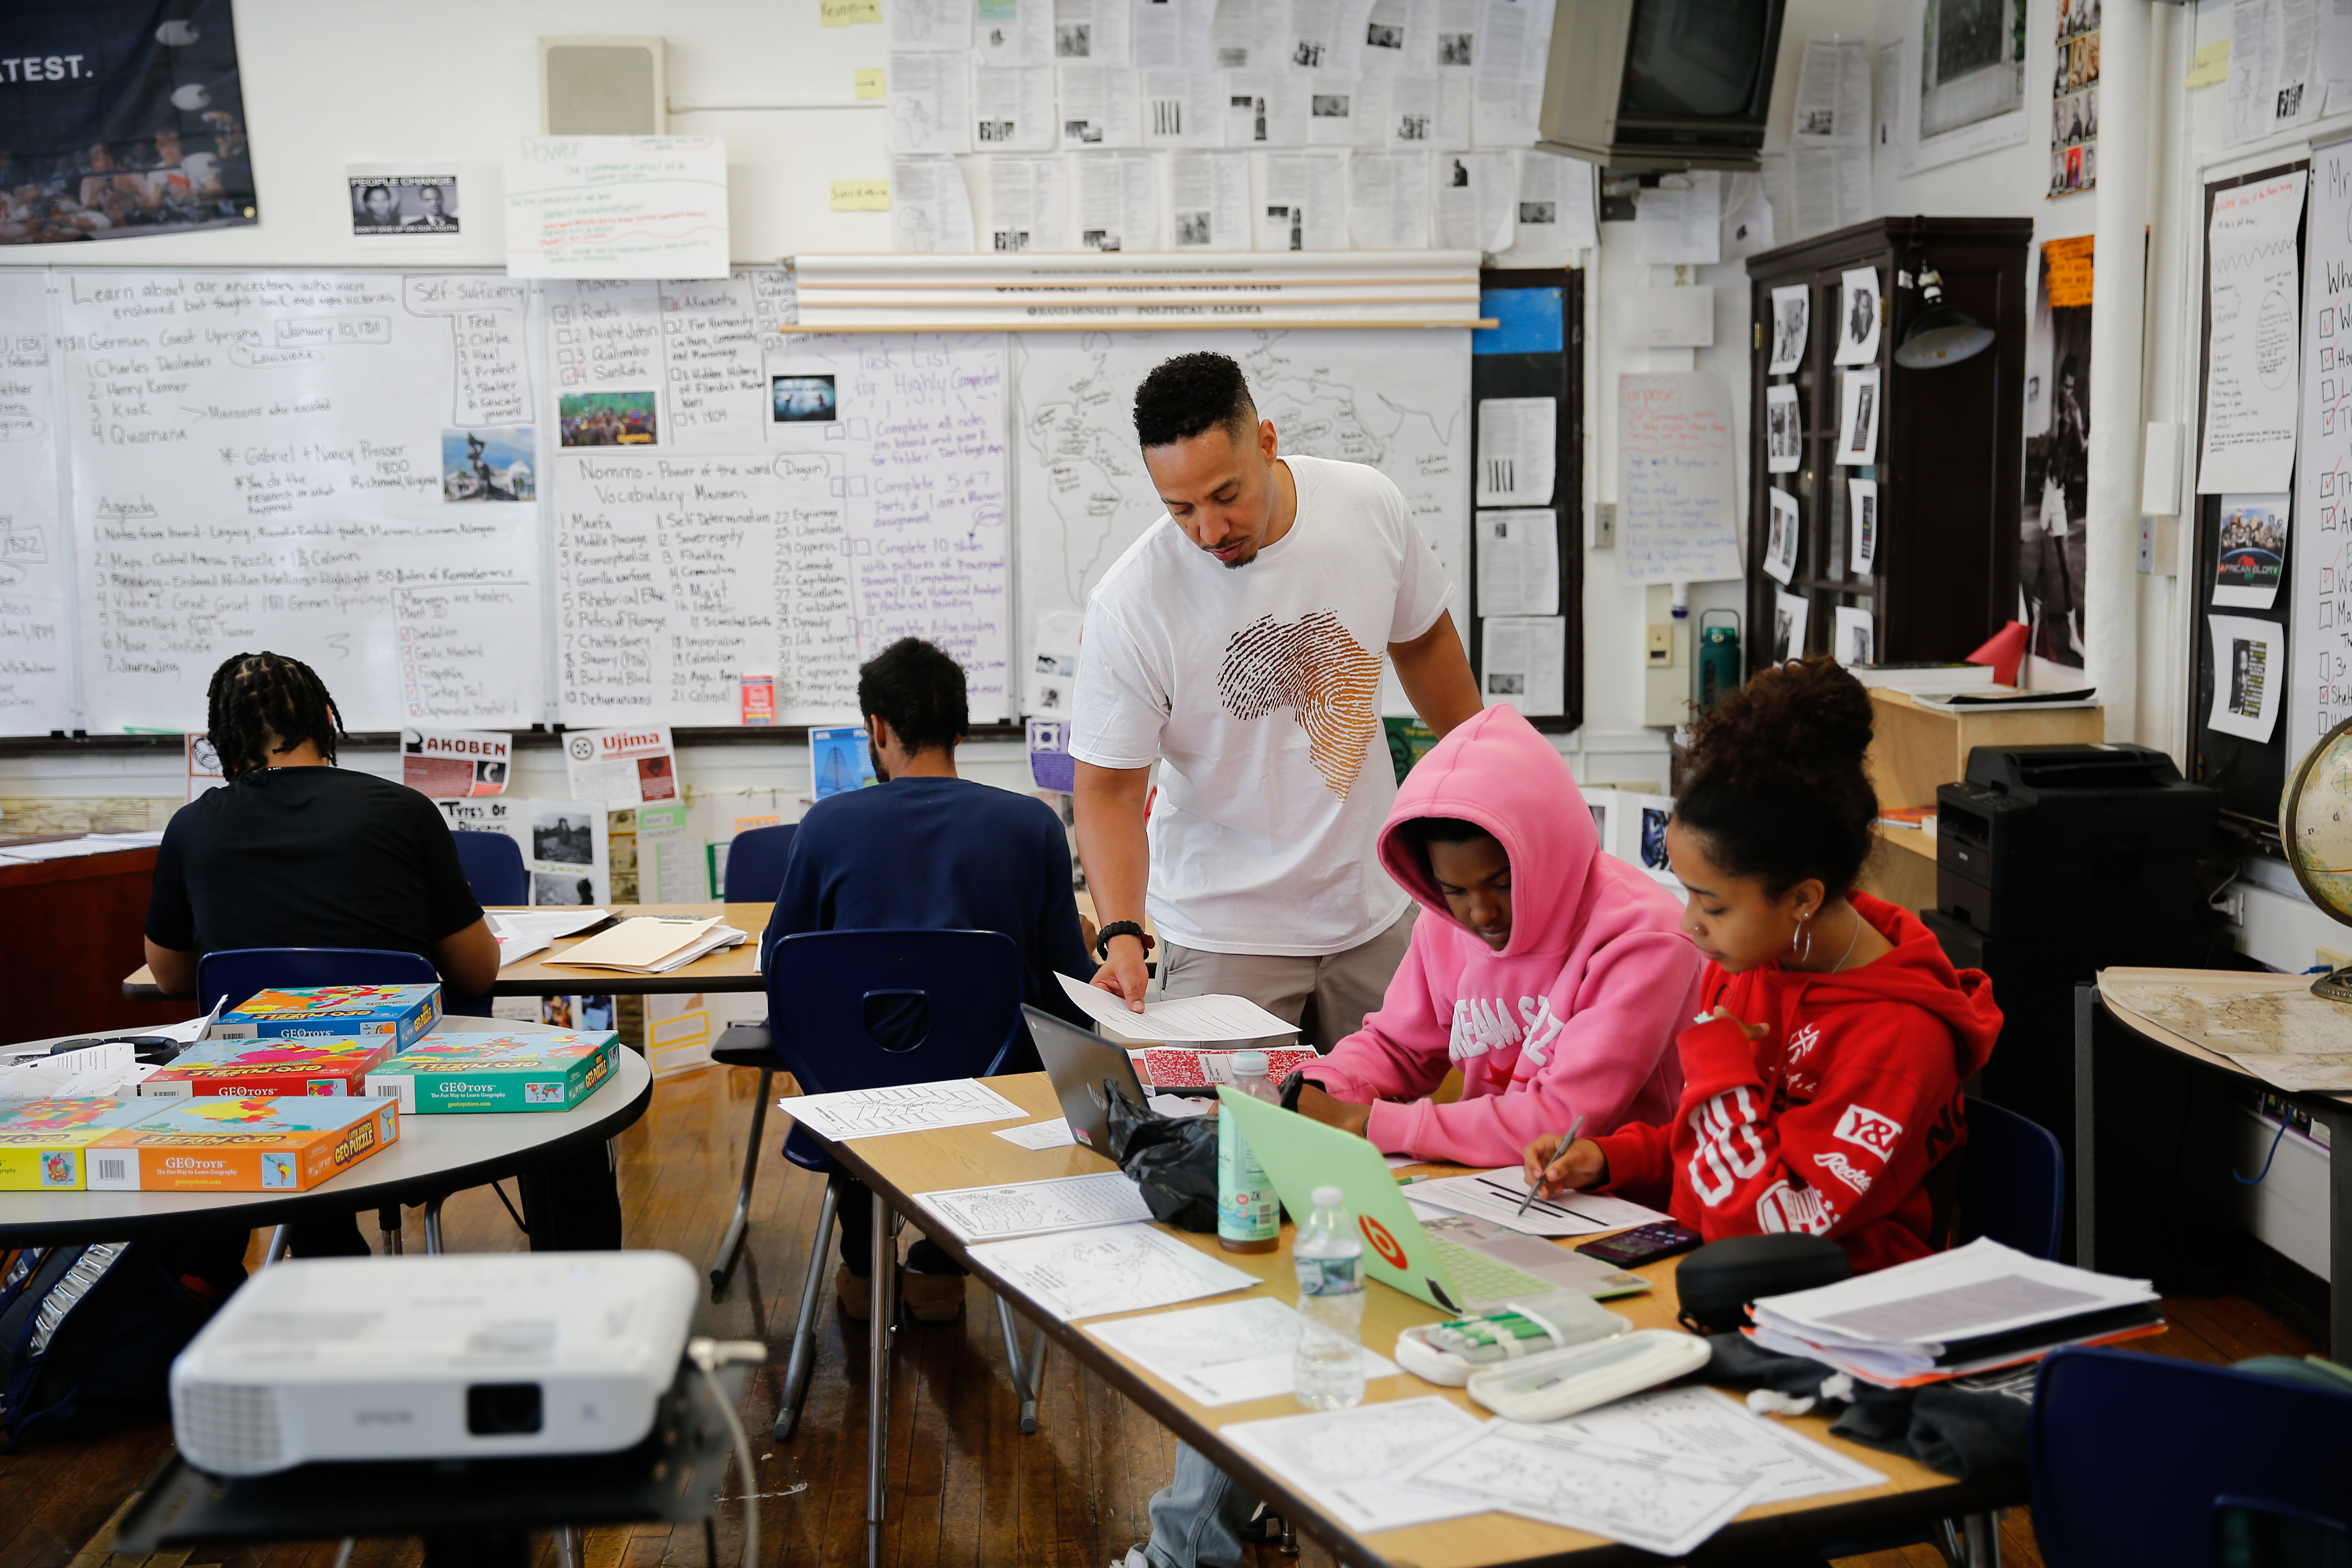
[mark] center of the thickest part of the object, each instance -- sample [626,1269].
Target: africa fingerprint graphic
[1325,678]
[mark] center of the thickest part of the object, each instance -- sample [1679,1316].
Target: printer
[2072,841]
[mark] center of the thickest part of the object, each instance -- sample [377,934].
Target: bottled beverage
[1328,1371]
[1249,1217]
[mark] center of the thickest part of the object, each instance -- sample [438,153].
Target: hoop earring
[1804,932]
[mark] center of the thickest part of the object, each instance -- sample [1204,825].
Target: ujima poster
[120,118]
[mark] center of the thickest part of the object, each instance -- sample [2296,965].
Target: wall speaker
[603,87]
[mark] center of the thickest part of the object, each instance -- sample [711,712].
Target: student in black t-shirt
[297,852]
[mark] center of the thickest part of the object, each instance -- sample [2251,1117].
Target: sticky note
[848,12]
[869,81]
[861,195]
[2212,67]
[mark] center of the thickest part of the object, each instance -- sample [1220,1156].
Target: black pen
[1565,1140]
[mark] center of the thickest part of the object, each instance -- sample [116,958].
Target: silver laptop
[1079,1061]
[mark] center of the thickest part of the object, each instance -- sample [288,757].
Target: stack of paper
[63,849]
[113,1069]
[652,944]
[1974,1308]
[522,932]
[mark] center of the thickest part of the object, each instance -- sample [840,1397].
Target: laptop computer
[1453,1262]
[1079,1061]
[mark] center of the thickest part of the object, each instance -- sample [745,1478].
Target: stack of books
[652,944]
[1971,1310]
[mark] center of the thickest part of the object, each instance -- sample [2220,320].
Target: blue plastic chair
[2164,1463]
[755,863]
[945,1003]
[493,866]
[2012,1182]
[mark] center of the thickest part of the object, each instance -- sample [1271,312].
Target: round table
[433,1157]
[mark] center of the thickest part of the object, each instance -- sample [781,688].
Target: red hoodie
[1575,1016]
[1829,1122]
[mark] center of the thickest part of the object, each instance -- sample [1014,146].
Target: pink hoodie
[1577,1013]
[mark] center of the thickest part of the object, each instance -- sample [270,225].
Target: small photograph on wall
[1781,541]
[1790,613]
[403,206]
[1792,309]
[2053,553]
[1783,439]
[2075,99]
[487,465]
[804,399]
[608,418]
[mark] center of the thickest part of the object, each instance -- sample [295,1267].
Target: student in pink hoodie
[1550,973]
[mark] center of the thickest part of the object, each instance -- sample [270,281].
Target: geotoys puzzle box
[222,1143]
[268,1068]
[397,1014]
[44,1142]
[497,1072]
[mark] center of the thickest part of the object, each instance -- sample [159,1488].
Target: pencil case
[1561,1382]
[1563,1319]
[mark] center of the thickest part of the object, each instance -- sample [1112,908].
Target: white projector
[450,1357]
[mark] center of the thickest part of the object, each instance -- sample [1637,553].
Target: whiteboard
[1397,401]
[2319,553]
[716,525]
[36,663]
[278,461]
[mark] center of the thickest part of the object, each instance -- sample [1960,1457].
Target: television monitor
[1661,84]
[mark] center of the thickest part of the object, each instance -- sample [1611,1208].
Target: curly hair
[255,696]
[1776,784]
[917,689]
[1189,394]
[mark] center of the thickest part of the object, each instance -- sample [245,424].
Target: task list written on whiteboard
[332,465]
[35,676]
[730,501]
[2319,594]
[1677,518]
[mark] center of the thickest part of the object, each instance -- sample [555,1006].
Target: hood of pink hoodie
[1568,900]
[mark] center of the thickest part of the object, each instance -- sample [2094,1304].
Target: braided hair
[1776,783]
[256,696]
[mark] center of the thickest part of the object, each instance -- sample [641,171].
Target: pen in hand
[1565,1140]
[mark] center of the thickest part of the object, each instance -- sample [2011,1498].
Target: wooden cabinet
[1949,449]
[73,930]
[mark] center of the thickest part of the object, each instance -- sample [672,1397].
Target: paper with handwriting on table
[903,1108]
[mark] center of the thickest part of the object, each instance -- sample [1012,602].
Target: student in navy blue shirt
[924,849]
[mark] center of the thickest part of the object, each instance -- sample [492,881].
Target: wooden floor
[966,1488]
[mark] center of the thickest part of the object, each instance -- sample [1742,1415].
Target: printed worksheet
[1119,1269]
[1497,1195]
[1222,1354]
[907,1107]
[1353,1461]
[1186,1018]
[1701,1424]
[1657,1501]
[1052,1134]
[1039,1208]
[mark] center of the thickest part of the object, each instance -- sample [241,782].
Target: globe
[2316,826]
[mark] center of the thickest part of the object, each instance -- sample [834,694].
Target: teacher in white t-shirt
[1238,646]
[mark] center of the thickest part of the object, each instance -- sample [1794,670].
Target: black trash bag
[1172,1158]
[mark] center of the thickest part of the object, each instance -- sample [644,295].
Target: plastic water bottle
[1328,1371]
[1249,1215]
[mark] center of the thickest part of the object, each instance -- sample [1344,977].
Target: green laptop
[1456,1264]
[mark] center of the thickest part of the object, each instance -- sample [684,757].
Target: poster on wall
[1962,74]
[2052,556]
[120,118]
[2075,99]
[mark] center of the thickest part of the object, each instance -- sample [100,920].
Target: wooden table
[735,969]
[432,1156]
[897,1167]
[2136,1138]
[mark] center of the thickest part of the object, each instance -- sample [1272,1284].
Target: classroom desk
[735,969]
[433,1156]
[2149,1171]
[896,1168]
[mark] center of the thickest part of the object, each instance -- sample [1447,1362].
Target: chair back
[238,972]
[873,1009]
[2012,1182]
[493,866]
[2165,1463]
[755,863]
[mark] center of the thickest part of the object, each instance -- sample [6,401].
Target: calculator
[1645,1244]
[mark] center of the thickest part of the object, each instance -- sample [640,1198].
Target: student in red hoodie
[1821,1084]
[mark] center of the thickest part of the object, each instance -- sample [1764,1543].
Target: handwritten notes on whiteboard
[2254,367]
[617,206]
[2319,591]
[1676,521]
[730,501]
[336,466]
[35,676]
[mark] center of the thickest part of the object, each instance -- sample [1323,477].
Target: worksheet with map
[1399,400]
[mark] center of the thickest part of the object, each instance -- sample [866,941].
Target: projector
[440,1357]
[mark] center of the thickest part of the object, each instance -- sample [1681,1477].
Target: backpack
[88,1333]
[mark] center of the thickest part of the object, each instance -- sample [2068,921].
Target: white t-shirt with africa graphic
[1257,688]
